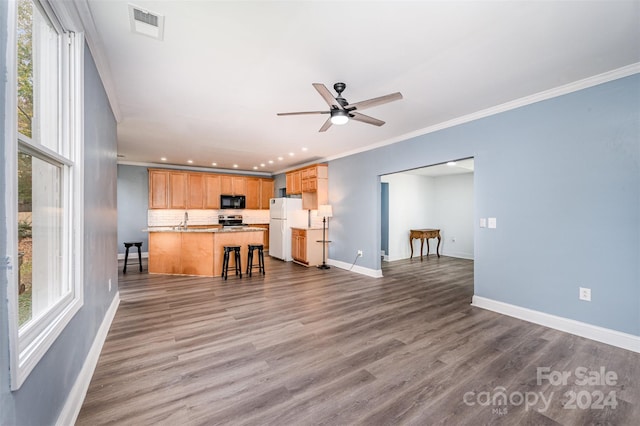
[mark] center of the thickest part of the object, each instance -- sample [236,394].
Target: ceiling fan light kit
[339,117]
[341,111]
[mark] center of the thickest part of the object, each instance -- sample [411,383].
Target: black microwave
[232,202]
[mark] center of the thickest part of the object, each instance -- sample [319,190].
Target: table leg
[427,246]
[438,249]
[421,244]
[411,245]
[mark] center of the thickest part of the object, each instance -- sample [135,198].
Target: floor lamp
[326,212]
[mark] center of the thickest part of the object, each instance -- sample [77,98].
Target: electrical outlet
[109,284]
[585,294]
[359,253]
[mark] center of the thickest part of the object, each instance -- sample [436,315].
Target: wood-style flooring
[303,346]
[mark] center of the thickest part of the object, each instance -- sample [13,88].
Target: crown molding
[80,11]
[196,169]
[575,86]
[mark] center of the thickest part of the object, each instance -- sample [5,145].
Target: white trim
[575,86]
[74,401]
[373,273]
[600,334]
[194,168]
[94,41]
[29,344]
[11,197]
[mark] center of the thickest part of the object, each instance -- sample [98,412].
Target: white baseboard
[145,255]
[75,399]
[600,334]
[374,273]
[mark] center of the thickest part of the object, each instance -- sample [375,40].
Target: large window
[47,288]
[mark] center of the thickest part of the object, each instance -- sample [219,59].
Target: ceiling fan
[341,110]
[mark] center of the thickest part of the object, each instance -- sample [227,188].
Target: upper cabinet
[158,189]
[233,185]
[267,188]
[211,191]
[294,182]
[174,189]
[195,194]
[312,182]
[252,193]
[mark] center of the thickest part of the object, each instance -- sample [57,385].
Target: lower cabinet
[306,246]
[266,234]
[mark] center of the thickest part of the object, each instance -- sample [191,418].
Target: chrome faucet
[186,219]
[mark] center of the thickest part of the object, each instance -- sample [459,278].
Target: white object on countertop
[284,214]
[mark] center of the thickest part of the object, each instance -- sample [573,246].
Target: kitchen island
[197,251]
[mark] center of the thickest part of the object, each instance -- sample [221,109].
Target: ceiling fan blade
[326,95]
[375,101]
[304,113]
[365,118]
[326,125]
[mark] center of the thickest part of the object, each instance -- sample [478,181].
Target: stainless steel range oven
[231,221]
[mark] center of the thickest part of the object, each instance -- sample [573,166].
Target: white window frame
[28,345]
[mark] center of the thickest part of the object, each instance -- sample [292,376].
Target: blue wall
[133,203]
[41,398]
[561,176]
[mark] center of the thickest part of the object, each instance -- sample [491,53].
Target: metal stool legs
[225,261]
[260,264]
[126,254]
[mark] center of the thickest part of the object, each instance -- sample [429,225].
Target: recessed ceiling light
[291,154]
[279,158]
[214,164]
[235,166]
[270,161]
[163,158]
[451,163]
[190,161]
[261,164]
[304,149]
[255,167]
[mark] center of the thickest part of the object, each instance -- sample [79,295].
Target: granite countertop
[228,229]
[306,228]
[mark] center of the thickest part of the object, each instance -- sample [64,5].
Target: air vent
[145,22]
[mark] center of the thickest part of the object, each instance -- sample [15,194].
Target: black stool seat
[225,261]
[126,254]
[260,265]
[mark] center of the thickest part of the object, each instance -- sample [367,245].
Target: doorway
[438,196]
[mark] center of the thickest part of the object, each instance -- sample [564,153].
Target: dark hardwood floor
[303,346]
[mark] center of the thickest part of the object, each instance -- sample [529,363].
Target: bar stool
[225,261]
[260,265]
[126,254]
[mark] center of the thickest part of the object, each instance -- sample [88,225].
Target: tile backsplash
[168,217]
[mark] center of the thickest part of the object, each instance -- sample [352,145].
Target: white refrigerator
[284,213]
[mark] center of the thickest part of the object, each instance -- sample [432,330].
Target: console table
[424,234]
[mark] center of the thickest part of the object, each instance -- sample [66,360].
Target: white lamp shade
[325,210]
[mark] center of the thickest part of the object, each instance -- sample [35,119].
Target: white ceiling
[210,90]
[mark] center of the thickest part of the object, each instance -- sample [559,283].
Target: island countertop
[197,251]
[215,230]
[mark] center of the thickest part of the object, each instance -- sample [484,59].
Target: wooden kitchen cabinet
[294,182]
[158,189]
[177,190]
[195,190]
[233,185]
[211,191]
[266,234]
[267,187]
[306,246]
[252,193]
[312,182]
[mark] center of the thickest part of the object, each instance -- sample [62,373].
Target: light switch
[492,222]
[483,222]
